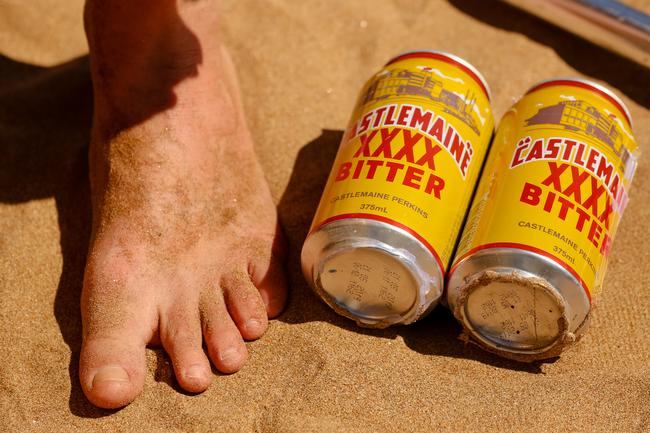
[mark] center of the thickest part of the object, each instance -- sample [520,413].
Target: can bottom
[370,283]
[515,315]
[517,303]
[371,272]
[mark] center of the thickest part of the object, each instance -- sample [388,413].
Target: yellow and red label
[556,179]
[413,150]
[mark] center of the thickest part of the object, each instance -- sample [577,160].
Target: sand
[301,65]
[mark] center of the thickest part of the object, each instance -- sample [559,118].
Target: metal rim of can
[449,58]
[529,250]
[527,264]
[428,294]
[552,347]
[589,85]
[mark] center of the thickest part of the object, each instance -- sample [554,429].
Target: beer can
[399,189]
[535,247]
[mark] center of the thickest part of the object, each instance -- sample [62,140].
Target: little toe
[268,272]
[222,338]
[180,333]
[269,276]
[245,305]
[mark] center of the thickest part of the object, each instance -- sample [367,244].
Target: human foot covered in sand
[186,247]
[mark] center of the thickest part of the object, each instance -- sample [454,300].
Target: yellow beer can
[535,246]
[399,189]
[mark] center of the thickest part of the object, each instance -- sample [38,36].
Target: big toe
[111,371]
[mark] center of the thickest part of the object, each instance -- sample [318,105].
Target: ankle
[142,51]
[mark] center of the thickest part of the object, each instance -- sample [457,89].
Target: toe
[224,341]
[116,327]
[111,370]
[245,304]
[269,276]
[180,334]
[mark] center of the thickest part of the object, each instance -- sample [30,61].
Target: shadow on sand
[44,133]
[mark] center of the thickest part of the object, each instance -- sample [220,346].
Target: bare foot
[186,247]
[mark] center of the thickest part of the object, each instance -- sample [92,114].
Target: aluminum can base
[372,272]
[518,305]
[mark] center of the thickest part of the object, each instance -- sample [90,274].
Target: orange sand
[301,65]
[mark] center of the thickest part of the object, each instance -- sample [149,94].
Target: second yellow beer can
[393,205]
[535,246]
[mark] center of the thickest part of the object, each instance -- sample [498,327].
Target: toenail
[195,372]
[108,374]
[229,355]
[253,326]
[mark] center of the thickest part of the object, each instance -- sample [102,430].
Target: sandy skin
[186,247]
